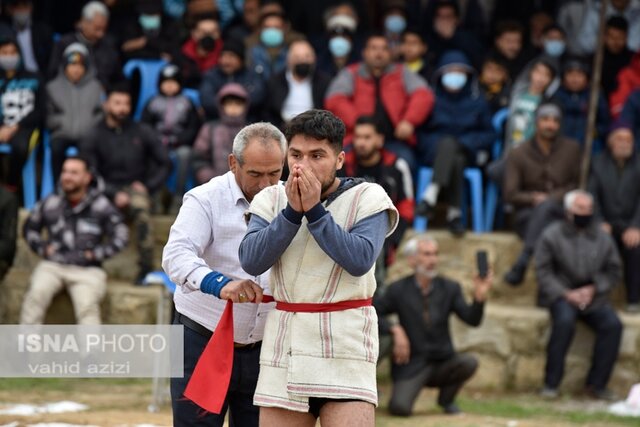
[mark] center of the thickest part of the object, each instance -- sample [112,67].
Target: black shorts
[316,403]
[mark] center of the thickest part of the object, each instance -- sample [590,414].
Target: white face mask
[9,62]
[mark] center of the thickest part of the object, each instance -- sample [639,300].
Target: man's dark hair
[413,31]
[369,120]
[548,65]
[446,3]
[317,124]
[508,26]
[554,27]
[374,35]
[119,87]
[83,159]
[272,14]
[495,59]
[618,22]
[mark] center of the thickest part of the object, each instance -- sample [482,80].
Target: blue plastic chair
[171,181]
[149,70]
[29,185]
[474,177]
[159,277]
[491,204]
[193,95]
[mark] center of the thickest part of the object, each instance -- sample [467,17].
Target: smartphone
[482,262]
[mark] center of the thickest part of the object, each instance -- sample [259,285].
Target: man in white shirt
[201,257]
[299,88]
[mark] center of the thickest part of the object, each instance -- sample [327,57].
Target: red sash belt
[210,379]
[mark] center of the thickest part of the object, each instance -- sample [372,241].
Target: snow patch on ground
[48,408]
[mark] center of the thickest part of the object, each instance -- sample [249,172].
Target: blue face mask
[339,46]
[454,80]
[554,48]
[149,22]
[272,37]
[395,24]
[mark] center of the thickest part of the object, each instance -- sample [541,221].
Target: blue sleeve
[264,243]
[355,250]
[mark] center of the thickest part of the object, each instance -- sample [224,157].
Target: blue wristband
[213,283]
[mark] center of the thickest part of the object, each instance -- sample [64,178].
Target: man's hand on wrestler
[242,291]
[310,187]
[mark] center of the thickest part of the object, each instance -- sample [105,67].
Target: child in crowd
[74,103]
[573,97]
[495,83]
[521,124]
[414,53]
[215,139]
[176,120]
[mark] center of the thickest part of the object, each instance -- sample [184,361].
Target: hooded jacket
[215,139]
[73,109]
[94,225]
[464,115]
[628,81]
[8,227]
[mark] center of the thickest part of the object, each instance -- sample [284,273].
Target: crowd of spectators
[416,83]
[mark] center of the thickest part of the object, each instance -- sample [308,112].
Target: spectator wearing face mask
[455,135]
[201,51]
[394,22]
[341,44]
[23,109]
[298,89]
[151,36]
[269,55]
[34,38]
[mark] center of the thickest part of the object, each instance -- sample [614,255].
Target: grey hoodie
[73,109]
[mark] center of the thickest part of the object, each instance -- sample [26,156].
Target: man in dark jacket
[92,32]
[34,38]
[614,179]
[231,69]
[133,163]
[8,225]
[83,229]
[22,100]
[577,266]
[299,88]
[458,133]
[423,353]
[538,174]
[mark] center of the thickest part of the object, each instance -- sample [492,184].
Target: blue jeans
[244,377]
[608,329]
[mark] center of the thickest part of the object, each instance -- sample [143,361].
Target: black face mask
[303,70]
[582,221]
[207,43]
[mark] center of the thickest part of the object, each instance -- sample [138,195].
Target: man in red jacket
[399,99]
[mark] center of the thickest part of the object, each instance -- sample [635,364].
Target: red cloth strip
[209,382]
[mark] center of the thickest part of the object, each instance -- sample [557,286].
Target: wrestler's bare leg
[278,417]
[352,414]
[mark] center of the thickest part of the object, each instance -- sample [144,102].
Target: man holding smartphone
[423,353]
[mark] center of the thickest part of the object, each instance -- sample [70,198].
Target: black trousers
[449,376]
[531,222]
[631,258]
[448,169]
[11,165]
[239,402]
[608,330]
